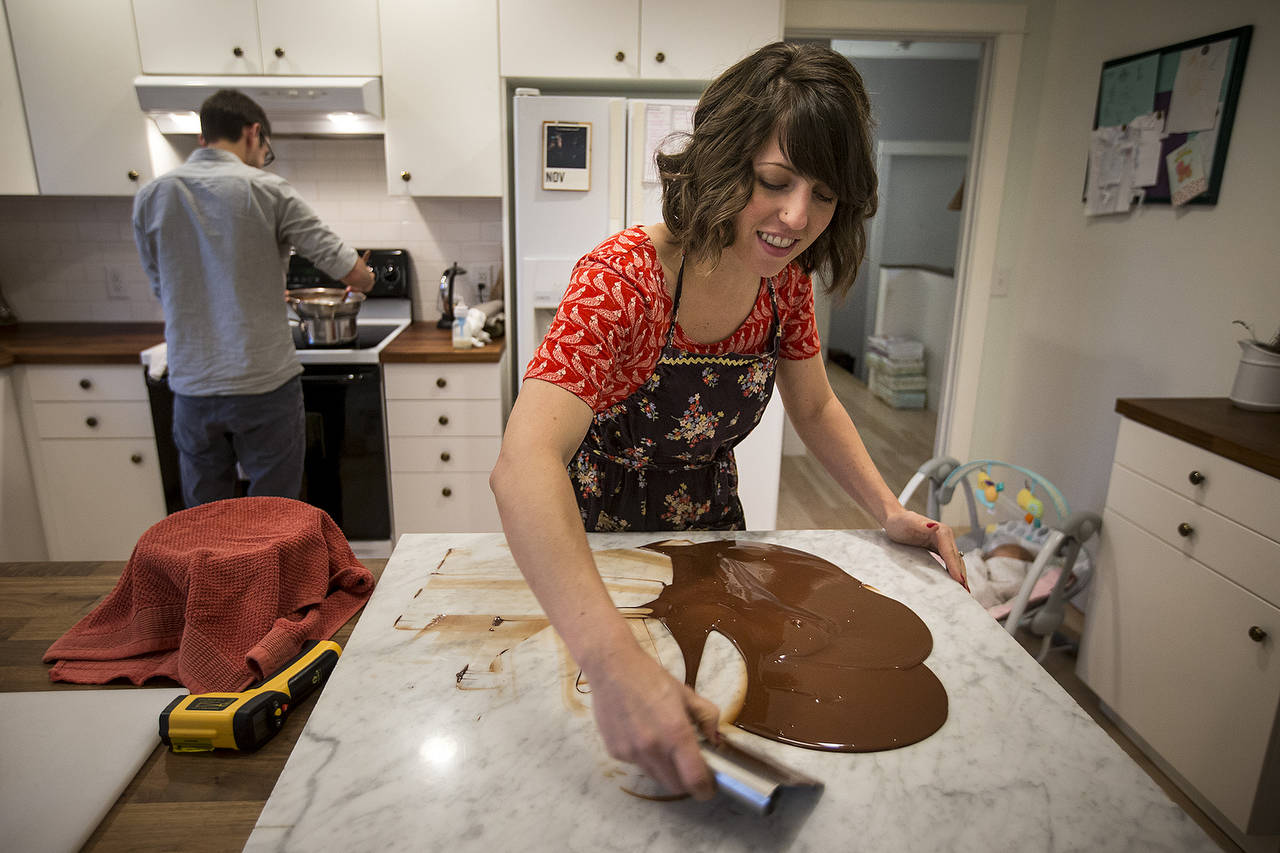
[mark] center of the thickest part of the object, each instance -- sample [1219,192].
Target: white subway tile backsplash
[344,180]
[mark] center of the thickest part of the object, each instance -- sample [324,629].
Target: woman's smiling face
[786,213]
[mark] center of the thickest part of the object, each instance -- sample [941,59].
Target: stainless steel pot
[327,314]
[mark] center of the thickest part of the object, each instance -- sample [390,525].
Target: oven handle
[337,378]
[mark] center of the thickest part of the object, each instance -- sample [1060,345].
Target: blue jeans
[265,433]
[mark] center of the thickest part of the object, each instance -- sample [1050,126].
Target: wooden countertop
[78,343]
[1213,423]
[211,801]
[423,343]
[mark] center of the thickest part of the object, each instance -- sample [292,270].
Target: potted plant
[1257,384]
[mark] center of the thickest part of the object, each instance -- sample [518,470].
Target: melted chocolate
[831,664]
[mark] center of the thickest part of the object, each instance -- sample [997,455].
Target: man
[214,236]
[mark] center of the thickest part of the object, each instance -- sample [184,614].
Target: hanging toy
[988,490]
[1031,505]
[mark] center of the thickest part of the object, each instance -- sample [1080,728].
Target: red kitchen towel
[217,597]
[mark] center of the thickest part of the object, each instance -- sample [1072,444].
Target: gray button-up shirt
[214,236]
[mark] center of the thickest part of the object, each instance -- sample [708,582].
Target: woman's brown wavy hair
[814,98]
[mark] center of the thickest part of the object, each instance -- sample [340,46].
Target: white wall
[1138,305]
[57,253]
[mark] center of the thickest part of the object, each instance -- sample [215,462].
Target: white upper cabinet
[299,37]
[77,61]
[442,97]
[17,169]
[648,39]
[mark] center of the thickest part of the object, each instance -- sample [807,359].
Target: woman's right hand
[647,717]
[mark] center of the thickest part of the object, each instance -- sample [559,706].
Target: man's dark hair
[226,113]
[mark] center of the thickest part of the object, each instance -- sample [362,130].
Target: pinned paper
[1186,172]
[1197,88]
[1111,169]
[1128,90]
[1146,132]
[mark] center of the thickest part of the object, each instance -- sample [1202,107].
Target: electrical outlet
[482,280]
[116,288]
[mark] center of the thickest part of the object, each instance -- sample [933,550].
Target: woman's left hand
[912,528]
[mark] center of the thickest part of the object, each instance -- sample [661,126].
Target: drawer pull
[619,56]
[659,57]
[1257,634]
[91,421]
[446,491]
[1196,478]
[1185,530]
[444,420]
[441,382]
[86,384]
[444,457]
[136,459]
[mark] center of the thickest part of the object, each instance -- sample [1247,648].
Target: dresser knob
[446,491]
[86,384]
[619,56]
[405,176]
[133,174]
[660,57]
[91,421]
[279,53]
[441,382]
[237,51]
[1257,634]
[445,457]
[444,420]
[1185,530]
[136,459]
[1196,478]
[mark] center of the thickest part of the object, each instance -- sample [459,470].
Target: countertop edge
[1145,410]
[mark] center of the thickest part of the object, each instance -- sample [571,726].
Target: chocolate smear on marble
[831,664]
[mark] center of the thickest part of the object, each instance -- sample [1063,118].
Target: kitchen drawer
[1229,488]
[77,382]
[1167,646]
[1233,551]
[442,381]
[436,503]
[460,453]
[94,420]
[444,417]
[105,494]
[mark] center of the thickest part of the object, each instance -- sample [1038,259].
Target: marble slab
[437,733]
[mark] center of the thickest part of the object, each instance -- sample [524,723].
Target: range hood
[295,105]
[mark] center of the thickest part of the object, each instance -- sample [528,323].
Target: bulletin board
[1146,82]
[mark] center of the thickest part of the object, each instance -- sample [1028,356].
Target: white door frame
[1000,28]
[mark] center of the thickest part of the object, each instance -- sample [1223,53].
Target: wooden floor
[899,441]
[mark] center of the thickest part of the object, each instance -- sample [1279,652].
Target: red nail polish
[931,525]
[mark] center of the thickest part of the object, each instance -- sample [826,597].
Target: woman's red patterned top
[611,324]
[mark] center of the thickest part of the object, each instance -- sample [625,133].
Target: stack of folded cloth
[217,597]
[897,373]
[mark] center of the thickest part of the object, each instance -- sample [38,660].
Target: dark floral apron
[662,459]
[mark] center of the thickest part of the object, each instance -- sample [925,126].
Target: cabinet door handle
[1196,478]
[1257,634]
[619,56]
[441,382]
[133,174]
[405,176]
[86,384]
[280,53]
[444,420]
[445,457]
[136,459]
[1185,529]
[237,51]
[446,491]
[659,57]
[91,421]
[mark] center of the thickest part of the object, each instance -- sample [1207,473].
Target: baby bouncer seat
[1012,509]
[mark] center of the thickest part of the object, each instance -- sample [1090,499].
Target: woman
[663,355]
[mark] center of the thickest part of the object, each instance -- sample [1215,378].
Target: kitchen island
[473,732]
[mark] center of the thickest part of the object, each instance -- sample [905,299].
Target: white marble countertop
[403,751]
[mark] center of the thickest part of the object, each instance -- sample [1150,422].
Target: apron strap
[675,305]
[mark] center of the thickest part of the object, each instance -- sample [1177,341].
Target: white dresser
[1180,640]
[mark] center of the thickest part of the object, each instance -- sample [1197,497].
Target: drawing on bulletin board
[1162,123]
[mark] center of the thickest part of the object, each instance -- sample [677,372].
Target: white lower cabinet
[93,458]
[444,428]
[1182,626]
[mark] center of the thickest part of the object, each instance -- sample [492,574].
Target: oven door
[345,471]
